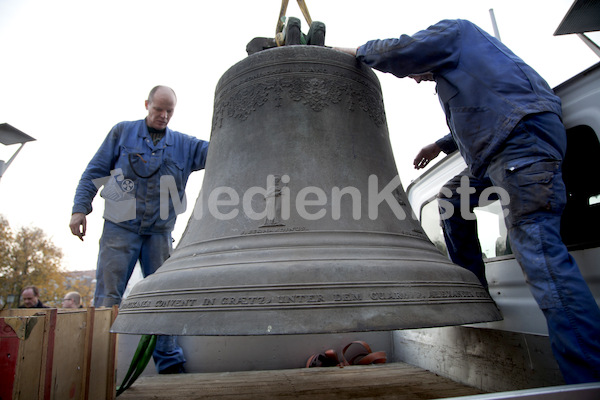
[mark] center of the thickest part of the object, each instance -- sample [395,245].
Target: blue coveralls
[134,173]
[505,121]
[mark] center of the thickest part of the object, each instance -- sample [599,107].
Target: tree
[29,258]
[5,267]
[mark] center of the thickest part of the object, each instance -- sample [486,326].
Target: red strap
[379,357]
[332,355]
[362,357]
[310,360]
[327,359]
[361,354]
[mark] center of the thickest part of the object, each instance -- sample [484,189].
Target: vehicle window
[490,227]
[430,221]
[491,230]
[580,227]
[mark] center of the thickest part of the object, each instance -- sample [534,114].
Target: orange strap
[363,357]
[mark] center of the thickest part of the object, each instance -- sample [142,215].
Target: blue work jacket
[484,89]
[134,172]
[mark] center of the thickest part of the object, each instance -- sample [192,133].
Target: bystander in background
[31,298]
[72,300]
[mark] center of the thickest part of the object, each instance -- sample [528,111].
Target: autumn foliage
[28,257]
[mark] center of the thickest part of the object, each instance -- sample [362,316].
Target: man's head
[30,296]
[71,300]
[161,106]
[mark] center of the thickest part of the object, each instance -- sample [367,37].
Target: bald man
[72,300]
[136,162]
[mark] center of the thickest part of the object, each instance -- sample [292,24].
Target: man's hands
[426,154]
[78,225]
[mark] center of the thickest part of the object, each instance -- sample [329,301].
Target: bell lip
[241,310]
[316,324]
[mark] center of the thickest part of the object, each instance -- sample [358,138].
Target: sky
[71,69]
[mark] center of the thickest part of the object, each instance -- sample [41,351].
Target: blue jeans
[528,168]
[120,250]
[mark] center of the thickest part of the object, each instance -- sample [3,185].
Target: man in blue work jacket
[506,122]
[137,162]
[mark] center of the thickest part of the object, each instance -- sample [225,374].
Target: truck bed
[382,381]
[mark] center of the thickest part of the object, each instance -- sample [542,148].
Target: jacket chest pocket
[175,168]
[139,164]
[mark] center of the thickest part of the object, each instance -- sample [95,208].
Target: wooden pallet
[382,381]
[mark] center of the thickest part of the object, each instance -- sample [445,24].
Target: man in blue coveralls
[136,162]
[506,122]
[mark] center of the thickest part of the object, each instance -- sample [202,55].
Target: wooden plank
[69,346]
[102,368]
[9,355]
[23,312]
[87,353]
[29,367]
[48,354]
[21,340]
[111,384]
[383,381]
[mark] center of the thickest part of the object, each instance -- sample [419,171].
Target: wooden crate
[57,353]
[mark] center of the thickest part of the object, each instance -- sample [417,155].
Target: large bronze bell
[302,224]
